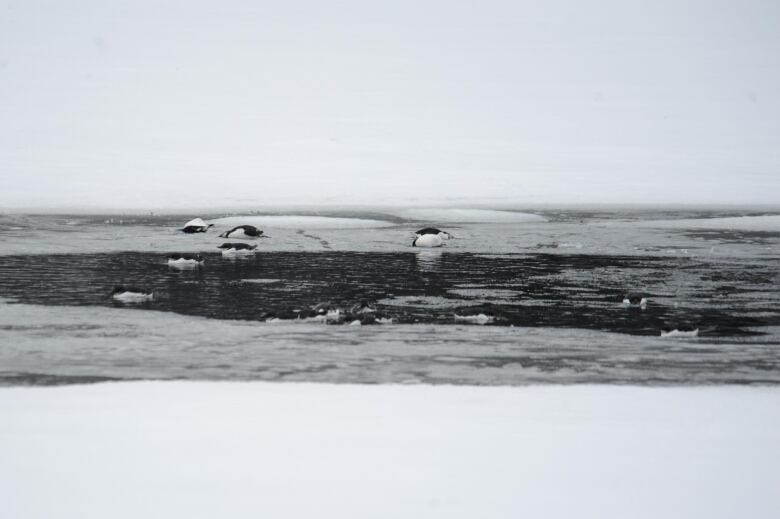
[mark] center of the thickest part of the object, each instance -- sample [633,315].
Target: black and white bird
[243,232]
[131,294]
[430,237]
[196,225]
[237,249]
[185,261]
[635,300]
[444,235]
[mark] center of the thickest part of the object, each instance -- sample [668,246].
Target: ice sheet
[738,223]
[66,344]
[129,450]
[566,233]
[300,222]
[469,216]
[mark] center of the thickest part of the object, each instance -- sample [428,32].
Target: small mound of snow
[183,264]
[331,315]
[477,319]
[133,297]
[470,216]
[678,333]
[300,221]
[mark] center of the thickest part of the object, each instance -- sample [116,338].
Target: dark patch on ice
[734,237]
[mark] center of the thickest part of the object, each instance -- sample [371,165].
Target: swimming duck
[243,232]
[131,294]
[196,225]
[635,300]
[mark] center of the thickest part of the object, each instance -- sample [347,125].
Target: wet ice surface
[541,300]
[60,345]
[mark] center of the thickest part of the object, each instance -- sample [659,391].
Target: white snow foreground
[200,449]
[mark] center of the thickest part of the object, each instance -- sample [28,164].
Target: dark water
[720,298]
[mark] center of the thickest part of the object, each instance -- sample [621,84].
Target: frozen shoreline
[300,450]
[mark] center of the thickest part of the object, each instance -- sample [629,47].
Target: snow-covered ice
[177,449]
[680,333]
[735,223]
[300,222]
[469,216]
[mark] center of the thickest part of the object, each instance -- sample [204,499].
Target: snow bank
[469,216]
[307,450]
[301,222]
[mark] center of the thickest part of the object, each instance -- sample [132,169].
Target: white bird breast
[428,240]
[240,235]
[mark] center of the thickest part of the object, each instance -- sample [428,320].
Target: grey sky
[154,104]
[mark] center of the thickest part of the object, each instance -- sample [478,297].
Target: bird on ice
[430,237]
[131,294]
[243,232]
[196,225]
[185,261]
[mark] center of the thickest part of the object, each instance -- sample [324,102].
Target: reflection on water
[428,260]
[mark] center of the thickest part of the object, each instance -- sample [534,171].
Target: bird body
[427,240]
[444,235]
[635,300]
[195,225]
[243,232]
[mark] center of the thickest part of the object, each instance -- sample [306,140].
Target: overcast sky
[155,104]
